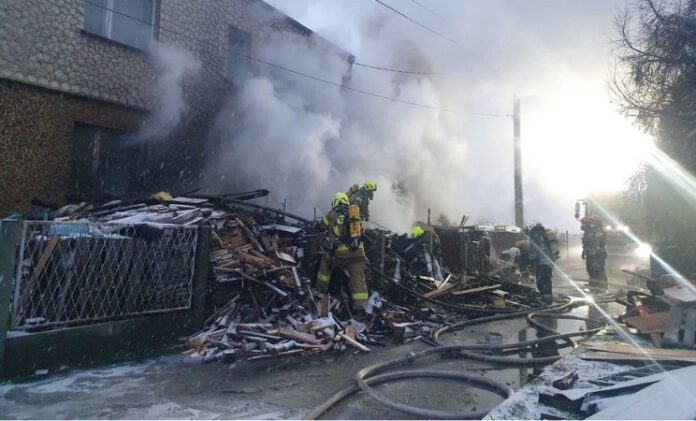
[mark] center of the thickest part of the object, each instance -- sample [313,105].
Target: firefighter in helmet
[343,232]
[421,253]
[361,196]
[594,249]
[542,253]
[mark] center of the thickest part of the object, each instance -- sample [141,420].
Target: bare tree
[654,81]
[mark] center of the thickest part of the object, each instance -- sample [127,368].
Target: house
[77,84]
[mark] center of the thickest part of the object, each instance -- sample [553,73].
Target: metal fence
[74,273]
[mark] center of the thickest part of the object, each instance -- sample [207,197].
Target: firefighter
[361,196]
[541,253]
[421,257]
[346,250]
[594,250]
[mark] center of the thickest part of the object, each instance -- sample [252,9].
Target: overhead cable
[416,22]
[290,70]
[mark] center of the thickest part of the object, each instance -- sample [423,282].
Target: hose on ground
[369,375]
[488,384]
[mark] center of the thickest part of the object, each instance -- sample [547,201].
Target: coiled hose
[368,376]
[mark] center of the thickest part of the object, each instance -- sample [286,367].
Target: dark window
[239,48]
[105,162]
[129,22]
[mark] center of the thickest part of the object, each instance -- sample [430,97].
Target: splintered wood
[271,311]
[260,298]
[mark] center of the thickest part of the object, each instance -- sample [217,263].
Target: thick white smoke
[173,66]
[305,140]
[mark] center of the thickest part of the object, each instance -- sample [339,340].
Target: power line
[274,65]
[415,21]
[340,85]
[410,72]
[428,9]
[289,70]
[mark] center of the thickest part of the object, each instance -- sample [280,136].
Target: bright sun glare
[580,148]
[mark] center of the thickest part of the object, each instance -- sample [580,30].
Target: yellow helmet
[340,198]
[370,186]
[417,232]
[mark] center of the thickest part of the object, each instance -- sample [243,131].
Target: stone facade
[35,138]
[53,74]
[42,43]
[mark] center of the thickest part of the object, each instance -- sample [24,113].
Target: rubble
[667,314]
[261,299]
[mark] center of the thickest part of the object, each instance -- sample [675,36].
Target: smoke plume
[304,140]
[173,66]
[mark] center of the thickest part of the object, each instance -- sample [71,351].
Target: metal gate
[77,273]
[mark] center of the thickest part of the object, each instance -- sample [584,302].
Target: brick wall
[36,138]
[42,43]
[53,74]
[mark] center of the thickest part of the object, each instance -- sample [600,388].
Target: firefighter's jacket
[338,235]
[594,241]
[362,197]
[540,250]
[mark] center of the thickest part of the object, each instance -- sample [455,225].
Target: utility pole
[519,207]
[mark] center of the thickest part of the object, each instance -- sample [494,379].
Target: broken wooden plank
[623,348]
[350,331]
[248,258]
[324,305]
[618,357]
[36,274]
[235,242]
[444,290]
[221,310]
[291,353]
[249,235]
[321,324]
[479,289]
[185,216]
[188,200]
[247,326]
[285,257]
[302,337]
[353,342]
[275,288]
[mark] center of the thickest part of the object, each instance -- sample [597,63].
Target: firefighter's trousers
[544,273]
[352,262]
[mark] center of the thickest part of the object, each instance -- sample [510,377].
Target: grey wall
[42,43]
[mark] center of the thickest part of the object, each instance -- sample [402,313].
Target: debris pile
[262,267]
[667,314]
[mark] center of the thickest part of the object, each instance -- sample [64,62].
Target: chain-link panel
[71,273]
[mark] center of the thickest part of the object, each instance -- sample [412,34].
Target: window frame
[89,158]
[230,71]
[108,30]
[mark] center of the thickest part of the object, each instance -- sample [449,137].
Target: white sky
[554,54]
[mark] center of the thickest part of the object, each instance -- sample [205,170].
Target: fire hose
[369,376]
